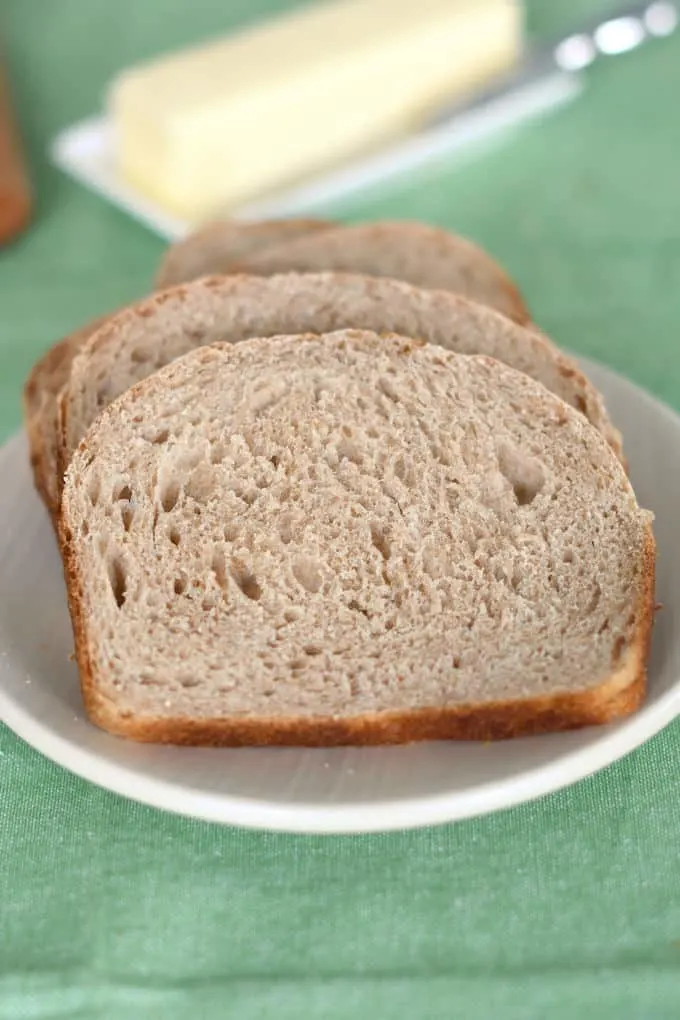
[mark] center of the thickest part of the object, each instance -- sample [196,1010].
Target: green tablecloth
[109,909]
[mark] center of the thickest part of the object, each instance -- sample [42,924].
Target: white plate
[338,790]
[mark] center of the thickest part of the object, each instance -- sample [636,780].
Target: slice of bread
[352,539]
[46,379]
[212,247]
[154,332]
[419,254]
[215,246]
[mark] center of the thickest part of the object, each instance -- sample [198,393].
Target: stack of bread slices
[330,485]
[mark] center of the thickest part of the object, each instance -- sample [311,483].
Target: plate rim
[345,818]
[334,819]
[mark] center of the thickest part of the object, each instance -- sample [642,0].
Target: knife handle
[15,191]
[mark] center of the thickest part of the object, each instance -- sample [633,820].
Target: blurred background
[581,206]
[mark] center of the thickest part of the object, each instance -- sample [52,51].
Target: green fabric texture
[109,909]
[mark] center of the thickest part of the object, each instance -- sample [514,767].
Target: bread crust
[40,394]
[618,696]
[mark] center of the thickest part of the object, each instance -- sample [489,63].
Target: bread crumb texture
[347,527]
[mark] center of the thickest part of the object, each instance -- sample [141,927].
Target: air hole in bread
[441,455]
[158,437]
[380,540]
[201,483]
[175,535]
[386,386]
[313,650]
[218,452]
[139,356]
[127,513]
[291,615]
[307,573]
[169,495]
[245,580]
[285,528]
[594,600]
[524,473]
[103,394]
[180,585]
[266,395]
[297,665]
[568,556]
[247,495]
[94,489]
[357,608]
[188,681]
[399,469]
[84,529]
[231,531]
[348,450]
[117,580]
[124,493]
[219,568]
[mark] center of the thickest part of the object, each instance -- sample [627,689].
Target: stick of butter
[203,130]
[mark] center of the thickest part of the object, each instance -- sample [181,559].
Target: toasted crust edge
[618,696]
[39,402]
[35,421]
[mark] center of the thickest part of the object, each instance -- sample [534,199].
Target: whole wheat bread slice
[213,246]
[418,254]
[154,332]
[351,539]
[217,245]
[45,381]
